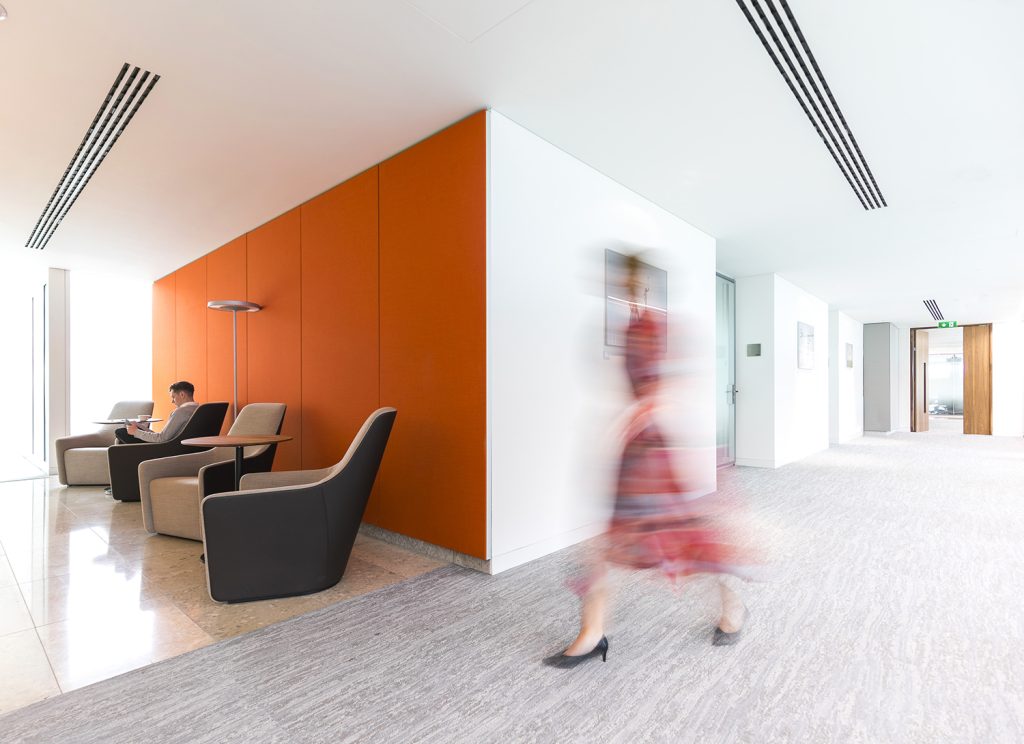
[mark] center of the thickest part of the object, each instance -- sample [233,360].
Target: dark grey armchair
[124,459]
[291,533]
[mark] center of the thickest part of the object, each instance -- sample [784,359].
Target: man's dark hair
[183,387]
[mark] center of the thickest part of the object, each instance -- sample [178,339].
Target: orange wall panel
[164,345]
[433,338]
[274,333]
[340,370]
[226,280]
[374,294]
[190,326]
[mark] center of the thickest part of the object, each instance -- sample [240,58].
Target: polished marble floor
[86,593]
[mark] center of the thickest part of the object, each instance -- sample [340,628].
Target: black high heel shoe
[561,661]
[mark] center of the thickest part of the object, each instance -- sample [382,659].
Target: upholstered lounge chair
[173,487]
[291,533]
[124,459]
[82,458]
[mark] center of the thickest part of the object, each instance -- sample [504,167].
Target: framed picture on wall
[653,297]
[849,355]
[804,346]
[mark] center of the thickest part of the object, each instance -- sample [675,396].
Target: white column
[58,358]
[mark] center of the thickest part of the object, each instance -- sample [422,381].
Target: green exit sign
[947,324]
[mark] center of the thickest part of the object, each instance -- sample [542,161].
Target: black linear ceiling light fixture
[796,63]
[933,308]
[124,98]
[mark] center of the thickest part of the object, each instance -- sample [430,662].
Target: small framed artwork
[804,346]
[653,298]
[849,355]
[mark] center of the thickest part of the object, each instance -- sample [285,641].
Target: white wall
[755,375]
[846,384]
[552,393]
[801,395]
[110,345]
[782,412]
[1008,379]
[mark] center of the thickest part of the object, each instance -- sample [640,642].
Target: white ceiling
[262,105]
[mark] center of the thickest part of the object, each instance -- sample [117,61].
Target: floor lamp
[234,307]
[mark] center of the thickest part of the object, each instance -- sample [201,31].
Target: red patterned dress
[653,524]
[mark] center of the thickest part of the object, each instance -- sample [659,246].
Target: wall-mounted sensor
[753,350]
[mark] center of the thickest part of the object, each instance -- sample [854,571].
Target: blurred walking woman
[653,525]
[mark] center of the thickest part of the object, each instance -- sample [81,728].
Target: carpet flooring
[891,614]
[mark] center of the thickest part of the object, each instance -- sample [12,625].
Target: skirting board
[847,438]
[424,548]
[748,462]
[519,556]
[496,564]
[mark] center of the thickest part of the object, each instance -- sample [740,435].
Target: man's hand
[132,429]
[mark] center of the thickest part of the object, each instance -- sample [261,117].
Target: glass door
[725,369]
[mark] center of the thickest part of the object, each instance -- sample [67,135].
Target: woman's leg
[592,615]
[733,609]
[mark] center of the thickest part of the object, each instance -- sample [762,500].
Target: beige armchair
[82,459]
[172,488]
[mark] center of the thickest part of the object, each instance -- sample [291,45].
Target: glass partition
[946,384]
[725,369]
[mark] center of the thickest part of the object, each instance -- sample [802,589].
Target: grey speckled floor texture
[893,615]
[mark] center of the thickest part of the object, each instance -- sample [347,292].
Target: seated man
[184,407]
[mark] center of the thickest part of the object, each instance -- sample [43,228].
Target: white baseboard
[847,438]
[751,462]
[528,553]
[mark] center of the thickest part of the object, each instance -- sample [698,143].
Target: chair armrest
[63,444]
[175,466]
[124,461]
[92,439]
[282,479]
[262,544]
[220,477]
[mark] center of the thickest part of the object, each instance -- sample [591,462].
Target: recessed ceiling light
[3,13]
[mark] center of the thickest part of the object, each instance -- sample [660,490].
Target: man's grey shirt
[179,417]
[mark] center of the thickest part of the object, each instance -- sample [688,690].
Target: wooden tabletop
[234,441]
[129,421]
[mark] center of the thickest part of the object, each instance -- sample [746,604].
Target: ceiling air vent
[933,308]
[130,89]
[799,68]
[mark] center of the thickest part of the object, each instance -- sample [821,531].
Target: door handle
[733,390]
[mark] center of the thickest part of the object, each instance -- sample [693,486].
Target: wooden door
[920,380]
[978,379]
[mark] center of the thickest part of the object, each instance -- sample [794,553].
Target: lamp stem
[234,364]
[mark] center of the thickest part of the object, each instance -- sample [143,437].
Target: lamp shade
[234,306]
